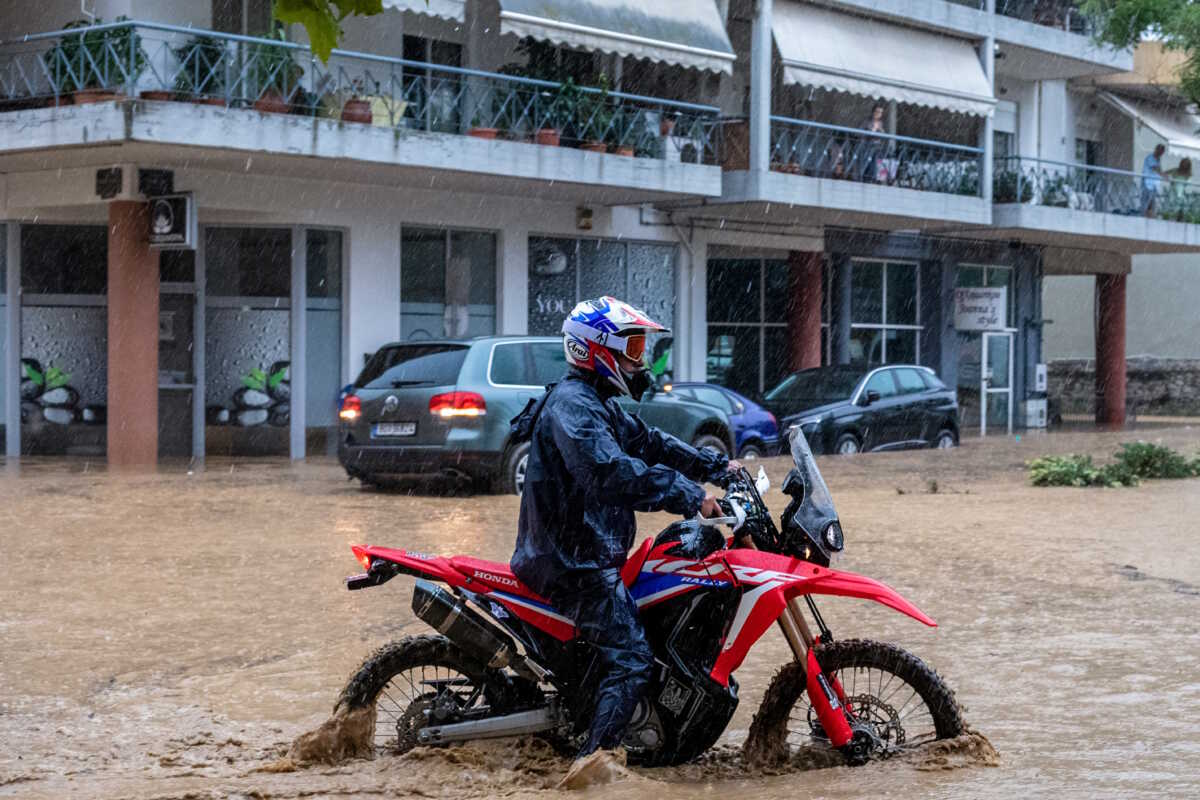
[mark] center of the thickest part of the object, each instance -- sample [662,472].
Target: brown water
[169,635]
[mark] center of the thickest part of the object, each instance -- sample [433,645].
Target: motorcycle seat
[493,575]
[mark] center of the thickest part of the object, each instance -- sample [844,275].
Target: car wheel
[514,468]
[847,445]
[945,440]
[712,442]
[751,451]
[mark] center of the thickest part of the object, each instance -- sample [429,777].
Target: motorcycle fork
[825,693]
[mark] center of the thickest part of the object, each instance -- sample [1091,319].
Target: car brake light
[351,408]
[457,404]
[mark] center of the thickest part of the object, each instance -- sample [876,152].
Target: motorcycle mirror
[762,483]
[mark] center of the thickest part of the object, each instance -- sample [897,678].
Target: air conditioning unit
[1039,378]
[1035,413]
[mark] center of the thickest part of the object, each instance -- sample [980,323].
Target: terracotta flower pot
[209,101]
[666,125]
[625,151]
[61,100]
[594,147]
[483,133]
[271,103]
[84,97]
[158,94]
[357,110]
[548,136]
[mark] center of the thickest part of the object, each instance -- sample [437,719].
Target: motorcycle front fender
[769,581]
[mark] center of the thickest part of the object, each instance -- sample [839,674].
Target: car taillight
[351,408]
[457,404]
[774,421]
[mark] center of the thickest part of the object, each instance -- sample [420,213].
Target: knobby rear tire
[770,727]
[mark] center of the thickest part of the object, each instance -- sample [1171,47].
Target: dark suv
[849,409]
[445,406]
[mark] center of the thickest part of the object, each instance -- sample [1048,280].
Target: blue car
[755,430]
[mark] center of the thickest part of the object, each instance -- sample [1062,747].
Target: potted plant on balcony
[561,109]
[484,117]
[202,67]
[594,117]
[78,57]
[358,108]
[1005,184]
[274,74]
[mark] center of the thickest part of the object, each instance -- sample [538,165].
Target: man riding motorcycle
[591,465]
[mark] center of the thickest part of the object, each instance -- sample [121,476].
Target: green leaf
[34,375]
[660,364]
[256,379]
[322,19]
[277,377]
[55,378]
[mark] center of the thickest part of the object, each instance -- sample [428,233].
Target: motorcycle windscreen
[815,514]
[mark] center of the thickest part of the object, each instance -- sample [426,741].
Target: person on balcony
[1152,179]
[873,146]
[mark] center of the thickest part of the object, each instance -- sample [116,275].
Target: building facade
[785,184]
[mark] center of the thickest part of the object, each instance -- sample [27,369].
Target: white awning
[446,9]
[847,53]
[1176,126]
[689,33]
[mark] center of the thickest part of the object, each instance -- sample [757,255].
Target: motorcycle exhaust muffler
[520,724]
[448,615]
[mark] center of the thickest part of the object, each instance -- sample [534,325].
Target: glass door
[996,381]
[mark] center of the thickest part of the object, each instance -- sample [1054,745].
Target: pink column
[1110,350]
[804,317]
[132,338]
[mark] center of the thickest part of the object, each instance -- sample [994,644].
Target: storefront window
[248,340]
[748,345]
[970,347]
[885,318]
[64,339]
[564,271]
[323,323]
[447,283]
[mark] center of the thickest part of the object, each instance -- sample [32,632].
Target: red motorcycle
[506,663]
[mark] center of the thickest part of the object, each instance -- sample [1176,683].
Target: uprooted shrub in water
[1077,470]
[1147,460]
[1135,462]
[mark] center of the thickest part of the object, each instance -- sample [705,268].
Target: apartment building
[785,183]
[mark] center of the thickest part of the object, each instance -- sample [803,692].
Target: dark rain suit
[591,465]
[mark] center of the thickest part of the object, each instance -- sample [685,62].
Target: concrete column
[199,328]
[804,310]
[697,331]
[1110,350]
[760,87]
[839,322]
[372,305]
[132,337]
[987,56]
[512,288]
[12,355]
[298,368]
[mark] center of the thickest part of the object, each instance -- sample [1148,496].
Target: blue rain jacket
[591,465]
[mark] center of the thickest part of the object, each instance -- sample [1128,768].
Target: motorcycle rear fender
[420,565]
[769,581]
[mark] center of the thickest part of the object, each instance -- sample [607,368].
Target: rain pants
[591,465]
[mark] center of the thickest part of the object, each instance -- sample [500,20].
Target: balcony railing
[166,62]
[831,151]
[1059,184]
[1062,14]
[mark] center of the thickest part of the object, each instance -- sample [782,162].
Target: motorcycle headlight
[833,539]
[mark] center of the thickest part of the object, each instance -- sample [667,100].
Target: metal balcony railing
[1060,184]
[831,151]
[159,61]
[1062,14]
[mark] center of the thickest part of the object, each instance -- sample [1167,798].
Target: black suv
[848,409]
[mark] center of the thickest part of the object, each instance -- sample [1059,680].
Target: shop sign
[173,222]
[979,309]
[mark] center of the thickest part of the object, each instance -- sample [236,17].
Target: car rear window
[713,397]
[910,381]
[413,364]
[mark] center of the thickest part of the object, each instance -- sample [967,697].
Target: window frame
[525,342]
[883,324]
[761,325]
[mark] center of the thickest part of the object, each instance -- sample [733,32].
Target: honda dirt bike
[506,663]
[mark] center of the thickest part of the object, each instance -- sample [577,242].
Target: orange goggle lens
[635,346]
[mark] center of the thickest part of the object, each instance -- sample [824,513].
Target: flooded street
[168,635]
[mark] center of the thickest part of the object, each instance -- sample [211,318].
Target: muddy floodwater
[169,635]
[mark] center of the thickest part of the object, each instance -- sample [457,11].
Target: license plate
[395,429]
